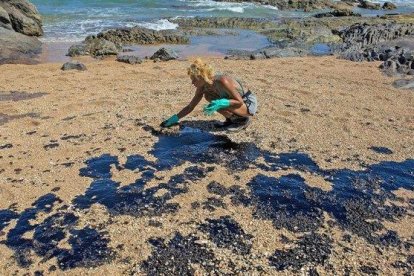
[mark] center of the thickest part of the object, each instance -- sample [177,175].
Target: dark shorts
[251,102]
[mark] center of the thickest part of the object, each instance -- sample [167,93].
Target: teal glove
[216,105]
[170,121]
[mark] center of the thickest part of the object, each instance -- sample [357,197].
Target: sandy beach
[342,115]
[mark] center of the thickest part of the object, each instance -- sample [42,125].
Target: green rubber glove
[216,105]
[170,121]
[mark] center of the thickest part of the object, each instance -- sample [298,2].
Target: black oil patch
[225,232]
[88,247]
[216,188]
[6,146]
[16,96]
[6,216]
[359,203]
[134,199]
[357,200]
[212,203]
[368,270]
[196,146]
[382,150]
[285,202]
[312,248]
[51,146]
[4,118]
[177,257]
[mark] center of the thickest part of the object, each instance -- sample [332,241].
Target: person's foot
[239,124]
[224,124]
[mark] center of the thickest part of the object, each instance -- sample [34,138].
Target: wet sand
[339,115]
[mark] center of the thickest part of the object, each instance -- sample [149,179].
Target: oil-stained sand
[92,186]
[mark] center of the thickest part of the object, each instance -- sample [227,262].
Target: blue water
[73,20]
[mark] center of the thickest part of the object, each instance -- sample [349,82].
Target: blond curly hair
[199,69]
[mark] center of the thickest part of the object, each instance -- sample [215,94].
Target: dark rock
[363,35]
[164,54]
[223,22]
[404,83]
[138,35]
[286,52]
[306,5]
[337,13]
[95,47]
[369,5]
[268,52]
[129,59]
[73,65]
[389,6]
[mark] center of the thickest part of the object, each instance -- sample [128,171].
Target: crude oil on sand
[90,185]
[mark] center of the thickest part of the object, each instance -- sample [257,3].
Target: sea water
[68,21]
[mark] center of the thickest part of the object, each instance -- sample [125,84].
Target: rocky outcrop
[266,53]
[20,22]
[337,13]
[397,61]
[23,17]
[111,41]
[5,21]
[222,22]
[382,42]
[363,35]
[18,48]
[369,5]
[389,6]
[94,46]
[138,35]
[360,40]
[306,5]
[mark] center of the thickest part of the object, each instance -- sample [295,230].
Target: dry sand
[333,110]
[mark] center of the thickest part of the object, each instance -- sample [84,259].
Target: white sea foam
[162,24]
[209,5]
[270,7]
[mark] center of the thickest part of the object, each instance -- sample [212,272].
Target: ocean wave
[162,24]
[209,5]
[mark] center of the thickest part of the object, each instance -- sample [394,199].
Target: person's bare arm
[190,107]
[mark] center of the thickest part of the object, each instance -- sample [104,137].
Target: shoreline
[213,45]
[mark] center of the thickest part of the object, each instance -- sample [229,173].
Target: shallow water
[73,20]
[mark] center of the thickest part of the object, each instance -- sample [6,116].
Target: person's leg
[226,113]
[241,111]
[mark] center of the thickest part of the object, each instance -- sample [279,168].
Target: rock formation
[20,24]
